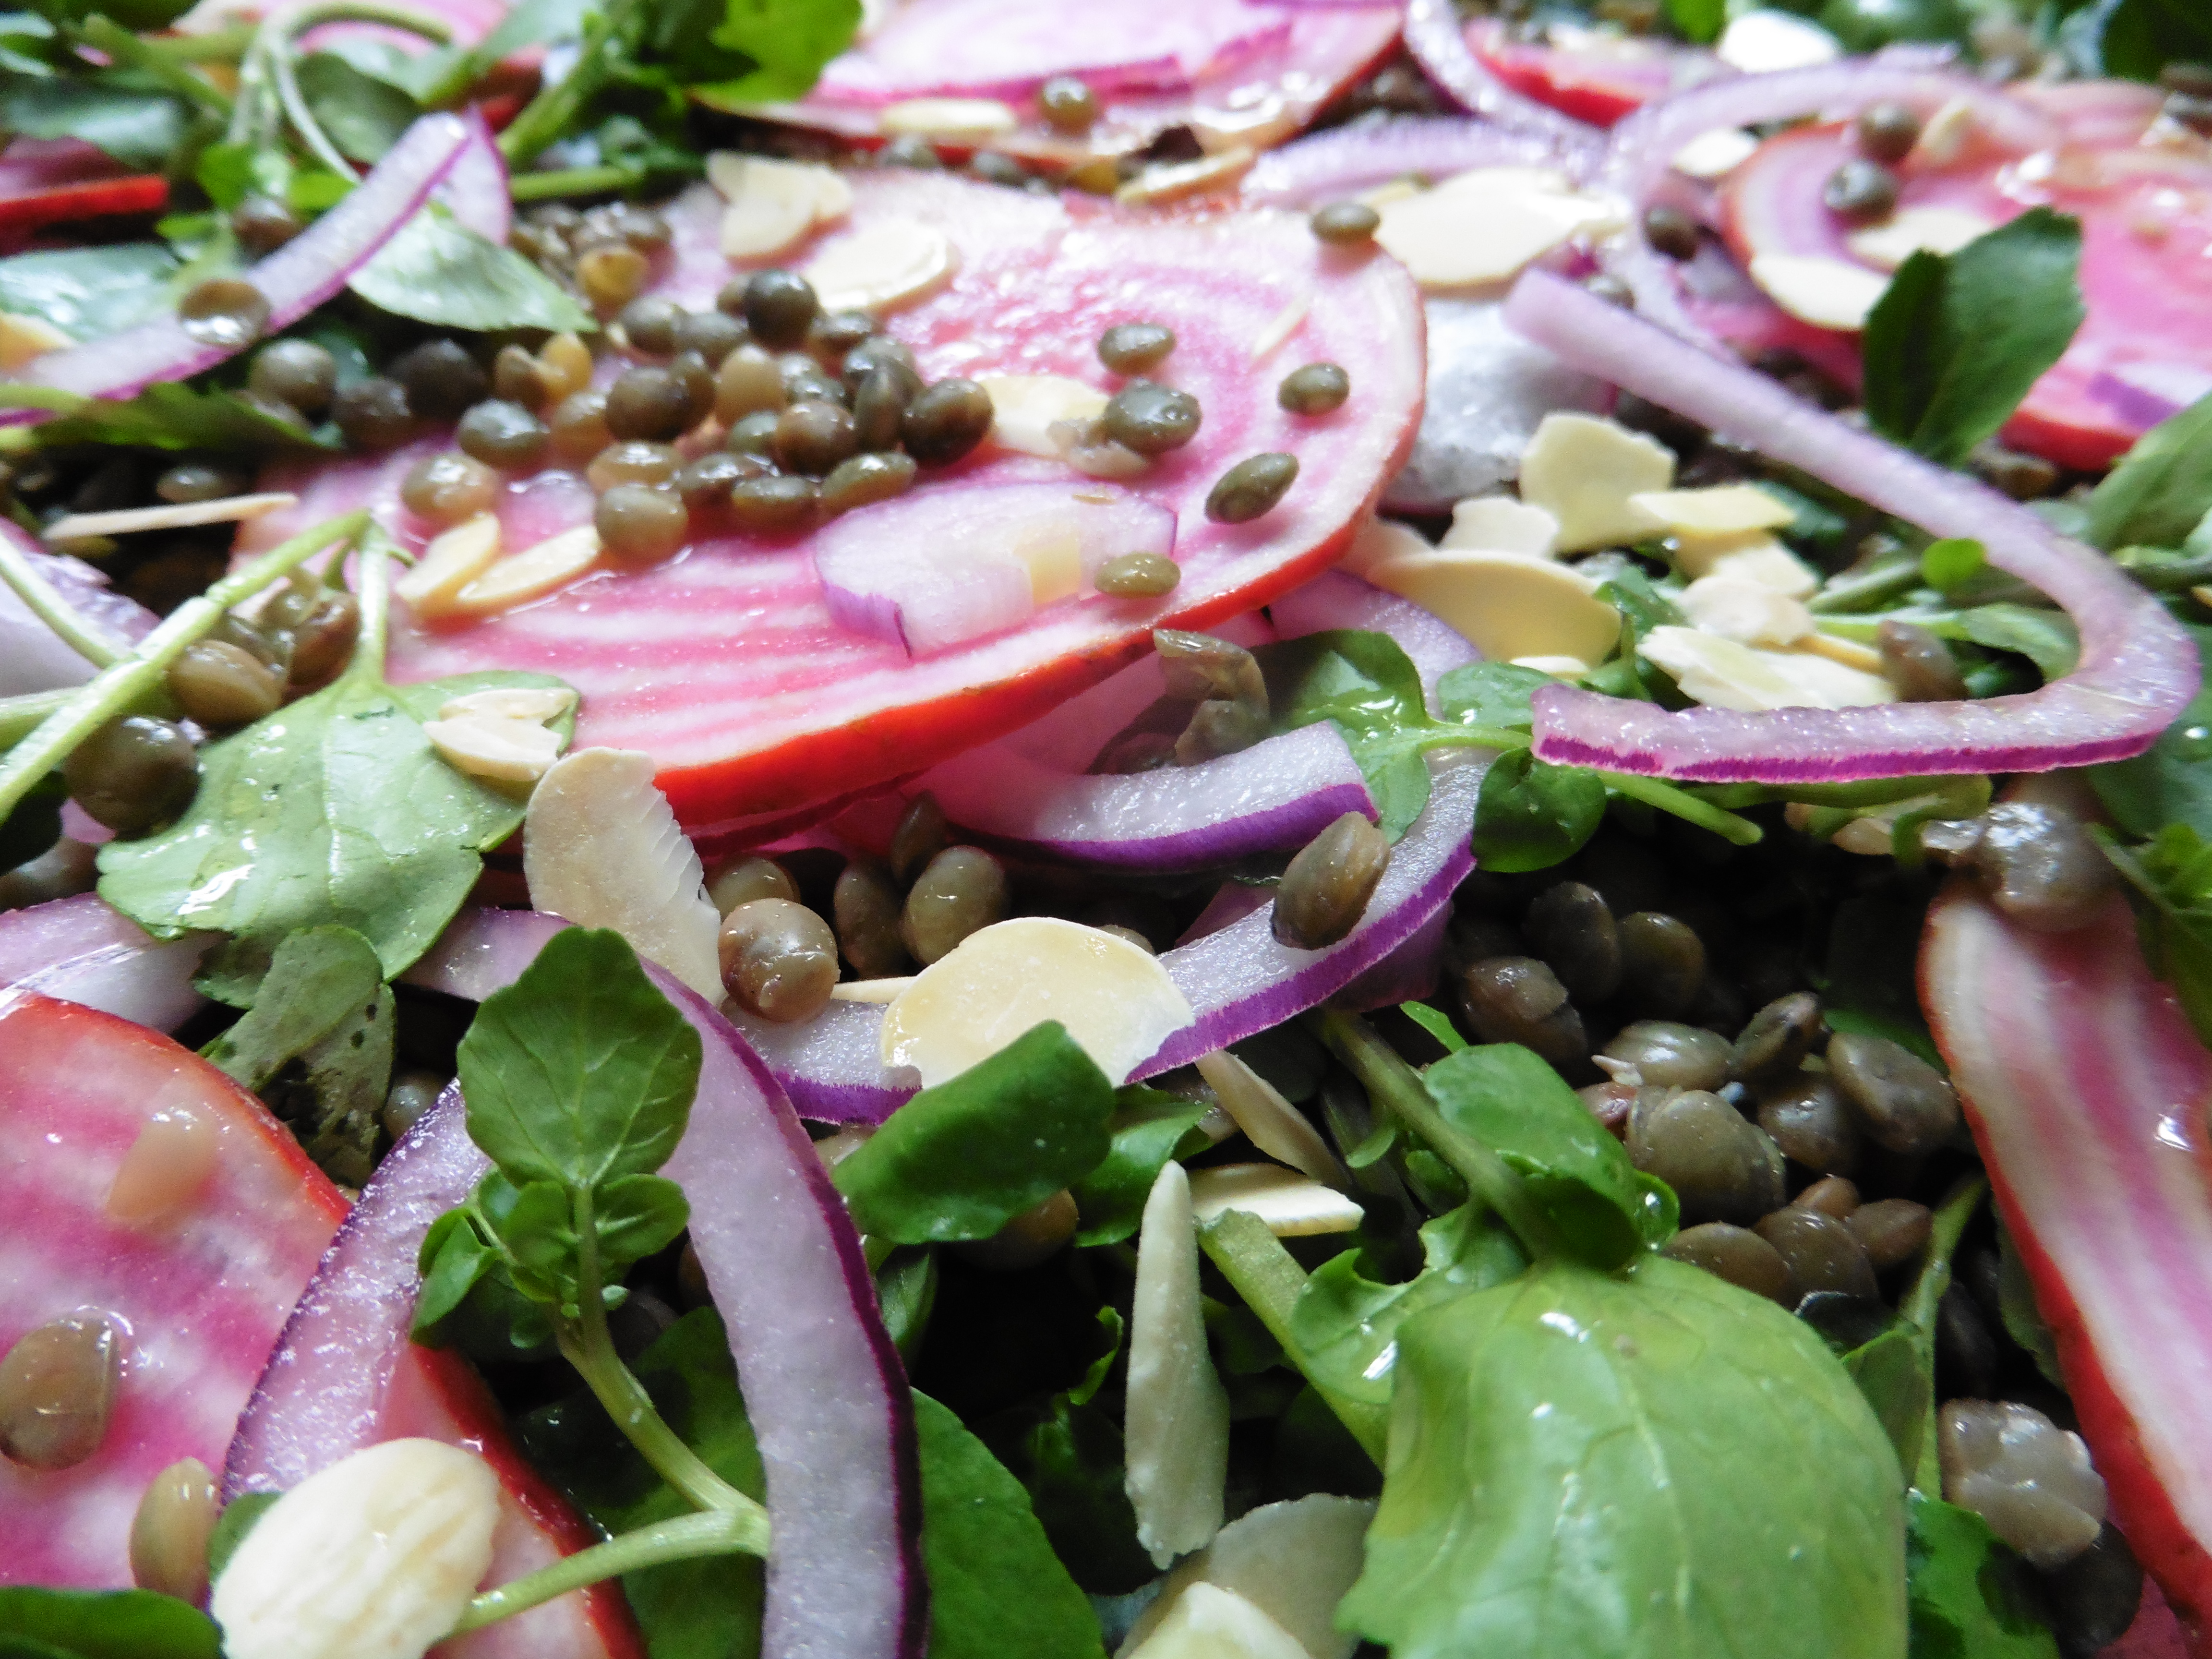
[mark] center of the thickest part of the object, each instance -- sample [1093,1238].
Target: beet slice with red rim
[1593,76]
[724,664]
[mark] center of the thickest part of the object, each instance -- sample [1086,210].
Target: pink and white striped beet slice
[202,1294]
[2086,1090]
[724,664]
[1232,71]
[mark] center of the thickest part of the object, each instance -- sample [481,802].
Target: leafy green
[1970,1597]
[1069,1454]
[316,1046]
[787,41]
[962,1160]
[1653,1463]
[1889,1373]
[138,124]
[1953,562]
[2170,875]
[1531,815]
[2023,1321]
[1699,20]
[996,1589]
[1366,685]
[2046,638]
[1509,1099]
[239,1517]
[363,116]
[1491,694]
[1436,1022]
[87,292]
[168,415]
[2161,488]
[1148,1128]
[134,1624]
[2171,783]
[437,270]
[2142,37]
[335,809]
[1956,340]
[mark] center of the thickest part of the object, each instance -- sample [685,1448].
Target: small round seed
[878,351]
[1132,348]
[1831,1195]
[648,403]
[803,380]
[753,434]
[713,334]
[747,383]
[169,1534]
[445,489]
[441,380]
[1891,1230]
[649,323]
[651,465]
[1345,224]
[1778,1036]
[1806,1118]
[57,1389]
[1150,418]
[1570,925]
[1668,1055]
[503,435]
[296,372]
[518,378]
[1721,1168]
[373,414]
[194,481]
[1067,104]
[1251,488]
[227,312]
[751,878]
[779,959]
[1887,132]
[263,224]
[1315,389]
[921,837]
[1735,1253]
[611,276]
[864,907]
[1663,963]
[779,305]
[640,226]
[640,524]
[834,333]
[1861,191]
[863,480]
[1326,887]
[323,640]
[705,484]
[218,684]
[776,505]
[962,890]
[879,407]
[1906,1104]
[1821,1253]
[1138,576]
[414,1091]
[696,382]
[578,426]
[1919,663]
[1671,232]
[813,437]
[2041,866]
[945,420]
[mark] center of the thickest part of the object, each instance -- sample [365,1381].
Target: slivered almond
[1849,652]
[1815,288]
[532,573]
[487,746]
[453,559]
[1290,1205]
[1177,1427]
[230,509]
[870,990]
[1293,1560]
[1721,674]
[1274,1125]
[1026,408]
[1285,323]
[877,267]
[773,204]
[947,118]
[1911,230]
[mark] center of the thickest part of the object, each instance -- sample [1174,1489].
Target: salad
[1234,829]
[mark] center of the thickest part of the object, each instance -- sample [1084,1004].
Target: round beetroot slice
[202,1292]
[2146,218]
[723,664]
[1599,78]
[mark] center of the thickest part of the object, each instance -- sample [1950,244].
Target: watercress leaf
[336,808]
[1509,1099]
[2162,487]
[437,270]
[996,1589]
[1531,815]
[1490,694]
[2046,638]
[364,116]
[1955,341]
[1148,1128]
[2140,38]
[580,1072]
[132,1624]
[1699,20]
[1344,1324]
[452,1260]
[89,291]
[1567,1454]
[140,125]
[1110,1324]
[230,173]
[1970,1597]
[2170,881]
[169,415]
[962,1160]
[1364,683]
[239,1517]
[787,41]
[2023,1321]
[1070,1457]
[906,1291]
[1889,1374]
[1437,1023]
[533,1227]
[636,1216]
[1953,562]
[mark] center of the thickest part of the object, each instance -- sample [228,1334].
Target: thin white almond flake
[1911,230]
[1483,227]
[513,703]
[532,573]
[1814,289]
[1176,1432]
[880,266]
[947,118]
[453,559]
[373,1558]
[1289,1204]
[1582,469]
[1507,604]
[504,749]
[1721,674]
[1026,408]
[231,509]
[1744,611]
[1717,154]
[1293,1560]
[25,338]
[1563,668]
[1943,136]
[870,990]
[1715,510]
[1274,1125]
[1114,997]
[774,205]
[1178,181]
[1377,539]
[601,847]
[1764,42]
[1285,323]
[1208,1622]
[1849,652]
[1755,558]
[1499,524]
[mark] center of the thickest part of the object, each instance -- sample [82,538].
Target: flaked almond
[947,118]
[1271,1123]
[1176,1432]
[1721,674]
[1754,558]
[532,573]
[1717,154]
[1744,611]
[1815,288]
[774,205]
[510,702]
[881,266]
[1507,604]
[1178,181]
[1025,409]
[24,338]
[1714,511]
[1288,1204]
[1294,1561]
[1279,328]
[453,559]
[1484,226]
[495,747]
[1499,524]
[1931,228]
[165,1169]
[1582,469]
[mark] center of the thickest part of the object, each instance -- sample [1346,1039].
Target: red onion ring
[476,188]
[295,280]
[1342,162]
[1435,36]
[33,657]
[2137,666]
[80,950]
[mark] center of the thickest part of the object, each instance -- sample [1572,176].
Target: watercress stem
[224,46]
[21,715]
[279,53]
[547,115]
[1476,737]
[1868,592]
[573,181]
[86,640]
[127,50]
[374,600]
[685,1538]
[1669,798]
[114,689]
[1920,1301]
[1255,1262]
[1398,1087]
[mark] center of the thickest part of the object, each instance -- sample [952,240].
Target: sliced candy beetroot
[2145,216]
[1594,76]
[725,663]
[202,1288]
[2086,1089]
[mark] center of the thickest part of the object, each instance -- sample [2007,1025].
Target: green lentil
[775,504]
[503,435]
[861,480]
[1251,487]
[1139,576]
[1314,389]
[1067,104]
[945,420]
[1345,224]
[640,525]
[1132,348]
[1150,419]
[778,306]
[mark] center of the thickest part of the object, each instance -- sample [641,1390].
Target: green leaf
[996,1589]
[1890,1375]
[1970,1597]
[1571,1473]
[1437,1023]
[239,1517]
[1531,815]
[533,1225]
[335,809]
[2171,876]
[104,1624]
[168,415]
[437,270]
[580,1072]
[452,1260]
[1490,694]
[1344,1324]
[363,116]
[140,126]
[1699,20]
[2023,1321]
[2142,37]
[87,292]
[638,1216]
[788,41]
[1956,341]
[230,173]
[1070,1458]
[1952,563]
[1510,1100]
[2162,487]
[1148,1128]
[1364,683]
[2046,638]
[962,1160]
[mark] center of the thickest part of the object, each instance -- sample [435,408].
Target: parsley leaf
[2161,490]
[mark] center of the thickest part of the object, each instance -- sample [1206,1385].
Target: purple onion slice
[80,950]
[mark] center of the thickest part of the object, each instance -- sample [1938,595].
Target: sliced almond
[774,204]
[871,990]
[512,703]
[1484,226]
[1757,557]
[1717,154]
[1377,539]
[1744,611]
[1294,1561]
[1208,1622]
[453,559]
[1849,652]
[1582,469]
[1814,289]
[25,338]
[948,117]
[1284,323]
[1911,230]
[1715,510]
[487,746]
[532,573]
[182,515]
[1507,604]
[1291,1204]
[1562,668]
[1175,1432]
[879,266]
[1764,42]
[1274,1126]
[1943,135]
[1499,524]
[1721,674]
[1024,409]
[1180,181]
[1114,997]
